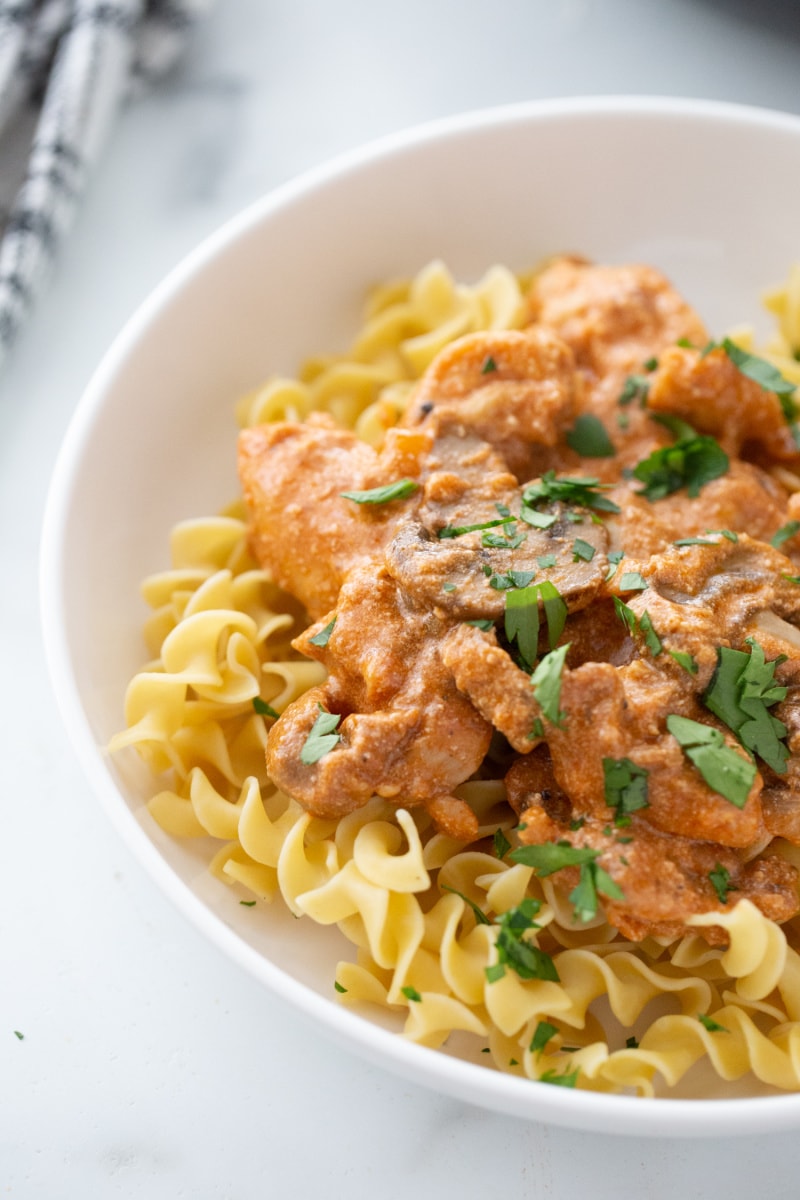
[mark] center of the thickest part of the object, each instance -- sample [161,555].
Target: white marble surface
[150,1067]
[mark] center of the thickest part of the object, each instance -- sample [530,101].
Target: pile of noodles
[422,911]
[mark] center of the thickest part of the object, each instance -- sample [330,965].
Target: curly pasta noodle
[422,910]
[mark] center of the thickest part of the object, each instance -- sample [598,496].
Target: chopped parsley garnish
[266,710]
[515,952]
[742,689]
[480,915]
[542,1034]
[411,993]
[247,903]
[710,1024]
[522,622]
[565,1079]
[323,637]
[585,493]
[635,387]
[631,1043]
[321,738]
[488,366]
[651,364]
[684,660]
[624,787]
[452,531]
[633,581]
[694,541]
[725,771]
[522,617]
[614,557]
[339,987]
[546,560]
[481,623]
[549,857]
[383,495]
[593,879]
[589,438]
[691,462]
[19,1036]
[625,614]
[651,638]
[511,579]
[784,533]
[539,520]
[582,550]
[721,882]
[546,681]
[501,844]
[448,587]
[642,624]
[764,374]
[500,541]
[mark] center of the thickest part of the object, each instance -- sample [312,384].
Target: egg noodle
[426,913]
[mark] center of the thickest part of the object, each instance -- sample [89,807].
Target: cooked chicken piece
[743,500]
[514,390]
[621,713]
[665,879]
[302,530]
[616,320]
[407,733]
[499,689]
[710,393]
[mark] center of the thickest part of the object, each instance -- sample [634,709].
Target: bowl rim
[592,1112]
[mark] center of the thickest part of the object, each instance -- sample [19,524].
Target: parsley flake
[725,771]
[684,660]
[589,438]
[266,710]
[624,787]
[582,550]
[515,952]
[720,880]
[542,1034]
[742,689]
[784,533]
[501,844]
[690,462]
[247,903]
[546,560]
[565,1079]
[339,987]
[321,738]
[710,1024]
[546,681]
[488,366]
[453,531]
[764,374]
[635,387]
[411,993]
[633,581]
[323,637]
[549,857]
[399,490]
[585,493]
[480,915]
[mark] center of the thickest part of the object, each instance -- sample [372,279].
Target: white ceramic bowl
[707,192]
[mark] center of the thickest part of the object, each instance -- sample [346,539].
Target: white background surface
[150,1067]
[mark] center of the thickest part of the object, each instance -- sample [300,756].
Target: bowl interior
[153,441]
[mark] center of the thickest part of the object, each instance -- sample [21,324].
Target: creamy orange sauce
[430,663]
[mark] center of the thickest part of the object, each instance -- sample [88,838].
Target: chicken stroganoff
[496,668]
